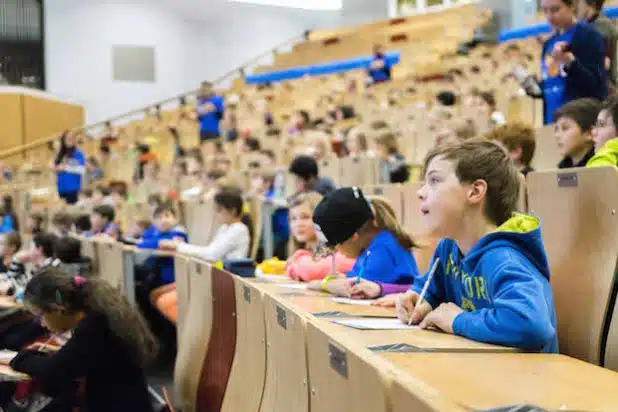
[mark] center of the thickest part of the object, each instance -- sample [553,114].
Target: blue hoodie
[386,261]
[70,182]
[209,122]
[163,266]
[502,284]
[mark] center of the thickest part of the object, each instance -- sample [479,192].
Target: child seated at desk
[233,238]
[366,230]
[302,265]
[102,222]
[109,346]
[10,243]
[491,282]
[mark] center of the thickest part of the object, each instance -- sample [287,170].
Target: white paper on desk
[6,356]
[357,302]
[294,286]
[375,324]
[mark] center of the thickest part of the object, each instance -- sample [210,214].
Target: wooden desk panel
[492,380]
[322,304]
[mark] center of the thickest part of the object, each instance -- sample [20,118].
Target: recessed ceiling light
[297,4]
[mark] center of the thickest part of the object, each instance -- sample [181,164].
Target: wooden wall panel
[11,130]
[45,117]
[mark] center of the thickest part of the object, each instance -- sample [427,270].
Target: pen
[424,291]
[362,269]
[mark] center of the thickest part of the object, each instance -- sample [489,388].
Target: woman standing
[70,166]
[572,62]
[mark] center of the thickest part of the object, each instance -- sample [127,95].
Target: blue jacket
[72,182]
[585,78]
[502,284]
[163,266]
[383,74]
[209,122]
[386,261]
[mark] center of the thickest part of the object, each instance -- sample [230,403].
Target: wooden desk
[8,374]
[420,340]
[493,380]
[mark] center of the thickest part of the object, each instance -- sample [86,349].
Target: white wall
[192,44]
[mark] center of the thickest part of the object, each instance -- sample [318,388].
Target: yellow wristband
[325,282]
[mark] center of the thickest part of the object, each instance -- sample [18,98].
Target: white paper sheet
[357,302]
[7,355]
[294,286]
[375,324]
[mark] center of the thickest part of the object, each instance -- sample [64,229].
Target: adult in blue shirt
[573,60]
[70,166]
[379,69]
[210,109]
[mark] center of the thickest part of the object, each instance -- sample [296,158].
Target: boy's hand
[407,308]
[442,318]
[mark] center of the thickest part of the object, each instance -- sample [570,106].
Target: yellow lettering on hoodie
[467,305]
[480,288]
[467,282]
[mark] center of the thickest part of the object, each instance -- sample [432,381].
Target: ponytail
[387,220]
[53,289]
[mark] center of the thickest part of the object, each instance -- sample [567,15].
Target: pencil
[424,291]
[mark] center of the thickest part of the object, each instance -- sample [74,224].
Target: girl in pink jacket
[302,266]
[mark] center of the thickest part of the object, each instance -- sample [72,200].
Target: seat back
[200,221]
[89,249]
[546,156]
[194,337]
[111,261]
[577,209]
[341,375]
[250,357]
[286,387]
[391,192]
[361,171]
[183,287]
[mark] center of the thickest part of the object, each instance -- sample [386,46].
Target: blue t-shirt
[553,76]
[386,261]
[209,122]
[7,225]
[71,182]
[383,74]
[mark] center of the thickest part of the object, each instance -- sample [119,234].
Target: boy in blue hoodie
[210,109]
[167,228]
[491,282]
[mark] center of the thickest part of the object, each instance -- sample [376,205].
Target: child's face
[381,152]
[97,222]
[150,169]
[165,221]
[569,136]
[482,107]
[224,216]
[352,144]
[445,135]
[604,130]
[57,321]
[301,224]
[443,199]
[97,197]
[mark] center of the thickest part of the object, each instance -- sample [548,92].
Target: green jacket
[606,156]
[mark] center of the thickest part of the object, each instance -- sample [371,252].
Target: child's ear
[477,192]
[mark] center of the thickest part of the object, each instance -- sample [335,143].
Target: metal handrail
[239,70]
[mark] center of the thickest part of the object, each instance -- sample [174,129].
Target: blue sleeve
[587,72]
[519,316]
[218,103]
[435,292]
[376,265]
[149,243]
[81,159]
